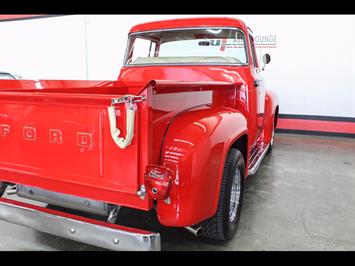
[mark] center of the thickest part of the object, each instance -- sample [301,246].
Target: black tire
[2,188]
[271,146]
[220,227]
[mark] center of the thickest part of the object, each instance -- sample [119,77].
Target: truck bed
[58,138]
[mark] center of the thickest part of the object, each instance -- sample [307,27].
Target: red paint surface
[189,23]
[192,116]
[316,125]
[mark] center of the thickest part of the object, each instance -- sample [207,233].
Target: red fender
[195,149]
[271,103]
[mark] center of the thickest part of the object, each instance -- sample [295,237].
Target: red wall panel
[314,125]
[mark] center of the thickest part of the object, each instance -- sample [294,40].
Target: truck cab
[188,119]
[203,49]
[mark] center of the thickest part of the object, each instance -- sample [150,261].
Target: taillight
[157,181]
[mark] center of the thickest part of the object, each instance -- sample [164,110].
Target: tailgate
[62,142]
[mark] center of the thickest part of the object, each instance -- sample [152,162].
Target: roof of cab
[189,23]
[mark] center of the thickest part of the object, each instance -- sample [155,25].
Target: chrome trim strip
[185,28]
[77,230]
[255,168]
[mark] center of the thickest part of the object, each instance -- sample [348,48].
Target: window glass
[191,46]
[143,48]
[253,52]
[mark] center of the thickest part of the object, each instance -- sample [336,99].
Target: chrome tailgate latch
[130,101]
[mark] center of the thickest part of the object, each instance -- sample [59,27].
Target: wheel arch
[242,145]
[271,114]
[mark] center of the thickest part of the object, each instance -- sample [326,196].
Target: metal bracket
[113,214]
[142,192]
[130,99]
[12,190]
[167,200]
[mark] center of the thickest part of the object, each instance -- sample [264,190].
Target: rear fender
[271,103]
[195,148]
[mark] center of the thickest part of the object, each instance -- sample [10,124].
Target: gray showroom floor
[302,198]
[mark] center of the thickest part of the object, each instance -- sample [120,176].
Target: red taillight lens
[157,181]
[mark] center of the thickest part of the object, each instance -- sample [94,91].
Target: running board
[77,228]
[257,159]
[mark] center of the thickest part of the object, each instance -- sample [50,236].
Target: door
[259,86]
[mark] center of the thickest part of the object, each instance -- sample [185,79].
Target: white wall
[312,67]
[44,48]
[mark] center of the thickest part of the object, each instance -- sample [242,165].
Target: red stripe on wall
[316,125]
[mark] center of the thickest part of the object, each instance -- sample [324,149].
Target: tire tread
[213,227]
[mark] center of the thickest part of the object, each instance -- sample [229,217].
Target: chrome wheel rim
[235,196]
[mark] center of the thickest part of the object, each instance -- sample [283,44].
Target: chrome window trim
[252,48]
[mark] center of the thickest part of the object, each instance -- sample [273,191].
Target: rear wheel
[271,145]
[2,188]
[223,225]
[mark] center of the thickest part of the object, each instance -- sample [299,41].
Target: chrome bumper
[89,231]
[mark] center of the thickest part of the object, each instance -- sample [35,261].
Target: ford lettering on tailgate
[55,136]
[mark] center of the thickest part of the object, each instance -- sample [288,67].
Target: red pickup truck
[186,122]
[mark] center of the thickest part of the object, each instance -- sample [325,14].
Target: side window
[143,48]
[253,52]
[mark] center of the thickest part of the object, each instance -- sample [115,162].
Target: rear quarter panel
[195,148]
[271,103]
